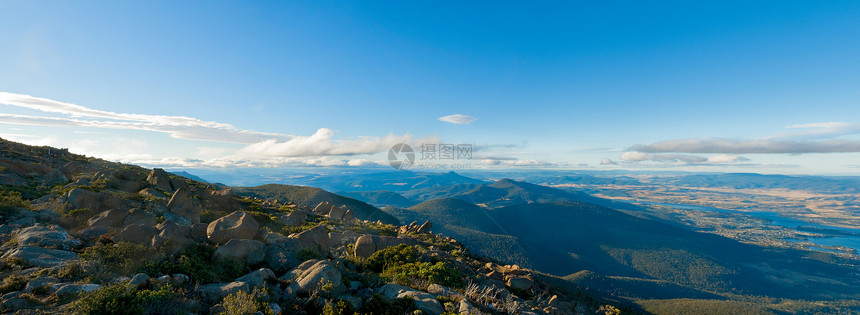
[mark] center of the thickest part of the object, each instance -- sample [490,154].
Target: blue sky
[764,86]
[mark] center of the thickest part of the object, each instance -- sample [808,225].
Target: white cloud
[180,127]
[458,119]
[607,161]
[261,146]
[819,138]
[321,143]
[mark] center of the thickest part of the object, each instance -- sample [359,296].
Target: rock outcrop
[249,251]
[235,225]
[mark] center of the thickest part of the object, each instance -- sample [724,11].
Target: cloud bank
[259,145]
[458,119]
[824,137]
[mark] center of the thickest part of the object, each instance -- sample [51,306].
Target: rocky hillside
[82,235]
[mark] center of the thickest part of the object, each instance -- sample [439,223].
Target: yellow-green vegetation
[123,298]
[11,202]
[242,303]
[120,258]
[402,264]
[197,262]
[12,283]
[701,306]
[340,307]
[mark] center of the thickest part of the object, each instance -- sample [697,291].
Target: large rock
[158,178]
[79,198]
[40,257]
[138,234]
[110,218]
[425,228]
[364,247]
[138,216]
[94,232]
[73,289]
[295,218]
[283,254]
[521,283]
[316,276]
[181,204]
[258,278]
[337,212]
[423,300]
[235,225]
[317,236]
[323,208]
[216,291]
[172,237]
[250,251]
[438,290]
[46,236]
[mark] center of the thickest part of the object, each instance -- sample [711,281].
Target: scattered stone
[46,236]
[235,225]
[251,251]
[40,257]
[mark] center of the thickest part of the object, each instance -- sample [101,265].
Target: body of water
[843,236]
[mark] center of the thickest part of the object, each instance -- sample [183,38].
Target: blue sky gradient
[550,84]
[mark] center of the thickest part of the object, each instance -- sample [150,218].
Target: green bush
[438,273]
[114,299]
[12,283]
[122,258]
[11,202]
[122,298]
[391,257]
[241,303]
[305,254]
[196,261]
[340,307]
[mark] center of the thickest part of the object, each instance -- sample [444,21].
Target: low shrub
[391,257]
[12,283]
[438,273]
[123,258]
[241,303]
[122,298]
[196,261]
